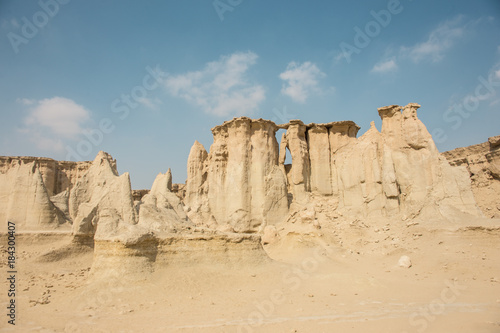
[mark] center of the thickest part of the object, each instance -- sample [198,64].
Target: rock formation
[84,198]
[398,170]
[482,162]
[238,185]
[244,182]
[24,199]
[243,189]
[101,194]
[161,210]
[57,176]
[34,191]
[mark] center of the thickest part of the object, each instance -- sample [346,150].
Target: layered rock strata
[482,162]
[57,176]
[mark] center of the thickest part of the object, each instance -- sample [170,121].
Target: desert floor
[453,285]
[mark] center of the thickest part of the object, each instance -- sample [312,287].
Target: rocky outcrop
[161,210]
[137,195]
[57,176]
[238,185]
[311,148]
[482,162]
[397,171]
[24,199]
[131,260]
[243,184]
[101,196]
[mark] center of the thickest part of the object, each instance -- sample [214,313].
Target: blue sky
[143,80]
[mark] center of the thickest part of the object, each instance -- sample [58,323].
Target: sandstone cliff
[24,199]
[483,165]
[57,176]
[243,183]
[85,198]
[238,185]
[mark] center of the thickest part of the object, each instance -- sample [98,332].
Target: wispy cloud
[25,101]
[439,41]
[51,121]
[150,103]
[221,88]
[385,66]
[301,80]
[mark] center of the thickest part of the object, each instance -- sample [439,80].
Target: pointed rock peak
[198,146]
[373,128]
[371,134]
[104,160]
[162,183]
[169,179]
[197,152]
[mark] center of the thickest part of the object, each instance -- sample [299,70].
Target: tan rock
[239,183]
[101,194]
[482,163]
[24,199]
[319,155]
[161,210]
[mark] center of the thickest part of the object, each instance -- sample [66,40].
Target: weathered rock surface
[482,162]
[101,196]
[244,186]
[57,176]
[239,183]
[397,171]
[24,199]
[161,210]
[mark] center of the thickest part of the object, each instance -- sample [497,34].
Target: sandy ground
[453,285]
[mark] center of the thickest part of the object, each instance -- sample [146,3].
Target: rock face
[89,199]
[482,162]
[311,148]
[24,199]
[101,196]
[243,184]
[57,176]
[243,181]
[239,184]
[398,171]
[161,210]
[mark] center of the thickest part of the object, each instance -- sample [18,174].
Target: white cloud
[439,41]
[301,81]
[149,102]
[52,120]
[385,66]
[221,87]
[25,101]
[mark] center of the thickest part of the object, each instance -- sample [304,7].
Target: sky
[142,80]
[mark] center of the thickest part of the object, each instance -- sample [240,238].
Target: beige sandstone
[57,176]
[24,199]
[397,171]
[239,183]
[482,164]
[335,222]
